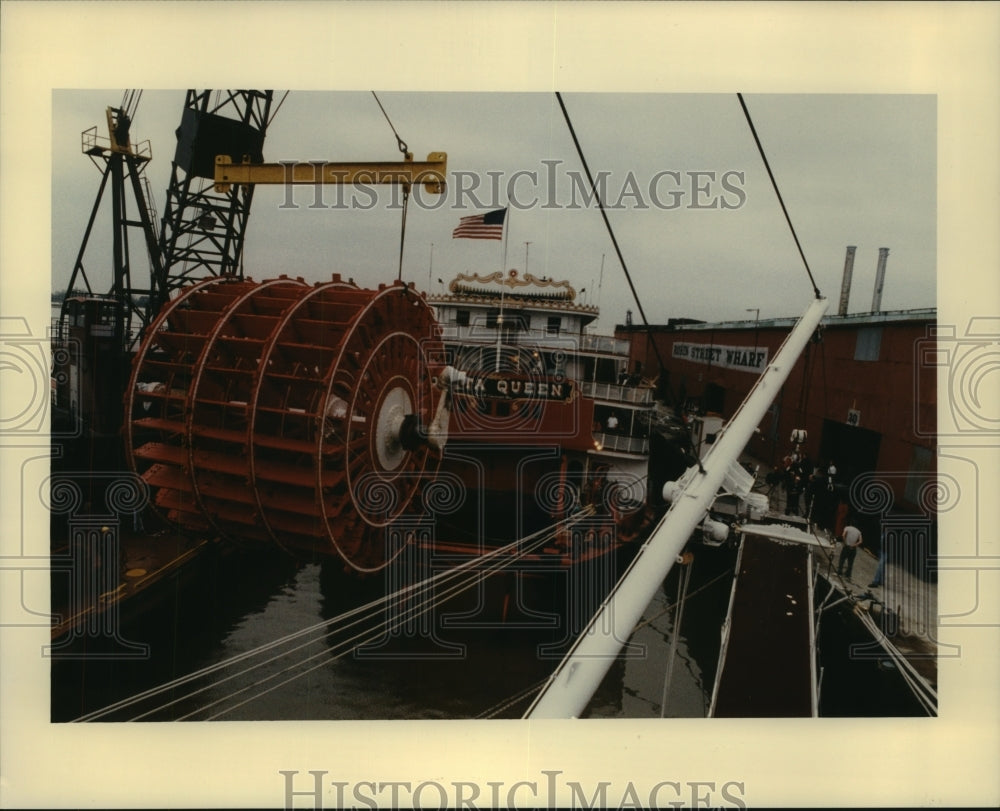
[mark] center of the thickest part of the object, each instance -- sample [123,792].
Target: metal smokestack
[883,254]
[845,285]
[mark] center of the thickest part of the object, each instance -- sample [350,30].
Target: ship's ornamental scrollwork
[517,283]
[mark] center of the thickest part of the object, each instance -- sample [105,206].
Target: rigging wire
[682,586]
[275,112]
[343,648]
[406,186]
[924,693]
[671,607]
[399,141]
[611,233]
[774,184]
[513,700]
[472,571]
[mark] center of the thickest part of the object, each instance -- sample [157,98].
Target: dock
[901,613]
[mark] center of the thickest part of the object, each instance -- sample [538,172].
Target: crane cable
[455,580]
[532,690]
[344,647]
[774,185]
[611,233]
[682,587]
[406,186]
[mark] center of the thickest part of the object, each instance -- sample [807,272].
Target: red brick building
[860,390]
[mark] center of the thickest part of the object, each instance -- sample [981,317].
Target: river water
[461,660]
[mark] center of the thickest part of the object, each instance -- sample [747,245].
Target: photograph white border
[950,50]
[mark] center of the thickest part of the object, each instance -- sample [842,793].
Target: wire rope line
[344,647]
[399,141]
[275,113]
[774,184]
[607,224]
[535,688]
[369,609]
[922,691]
[402,230]
[682,585]
[671,607]
[406,186]
[424,595]
[513,700]
[130,102]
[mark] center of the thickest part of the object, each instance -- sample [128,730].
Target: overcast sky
[698,223]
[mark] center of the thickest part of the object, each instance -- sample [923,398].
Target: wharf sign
[744,358]
[515,387]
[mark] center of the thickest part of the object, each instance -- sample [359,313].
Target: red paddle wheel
[286,412]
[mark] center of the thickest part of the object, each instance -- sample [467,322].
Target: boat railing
[543,339]
[622,443]
[635,395]
[604,344]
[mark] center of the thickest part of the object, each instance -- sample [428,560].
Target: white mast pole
[571,686]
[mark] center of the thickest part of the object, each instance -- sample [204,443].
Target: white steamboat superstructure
[537,378]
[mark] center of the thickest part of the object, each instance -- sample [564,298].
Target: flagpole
[600,283]
[503,283]
[430,269]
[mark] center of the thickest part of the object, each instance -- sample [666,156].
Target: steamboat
[548,417]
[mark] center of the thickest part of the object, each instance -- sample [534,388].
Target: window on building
[554,325]
[869,343]
[462,318]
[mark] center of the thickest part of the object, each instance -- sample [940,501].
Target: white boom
[577,677]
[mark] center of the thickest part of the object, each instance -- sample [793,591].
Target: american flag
[481,226]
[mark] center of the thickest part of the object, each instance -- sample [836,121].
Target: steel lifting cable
[682,585]
[774,184]
[345,646]
[922,691]
[342,648]
[372,608]
[517,698]
[611,233]
[130,102]
[275,113]
[338,651]
[670,607]
[406,186]
[533,689]
[530,543]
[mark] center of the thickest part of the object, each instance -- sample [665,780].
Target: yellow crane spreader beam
[430,173]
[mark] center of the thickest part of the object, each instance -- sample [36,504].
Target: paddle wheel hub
[290,413]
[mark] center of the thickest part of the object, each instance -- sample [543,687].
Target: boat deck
[767,667]
[88,598]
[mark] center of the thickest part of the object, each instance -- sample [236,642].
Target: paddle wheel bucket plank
[286,412]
